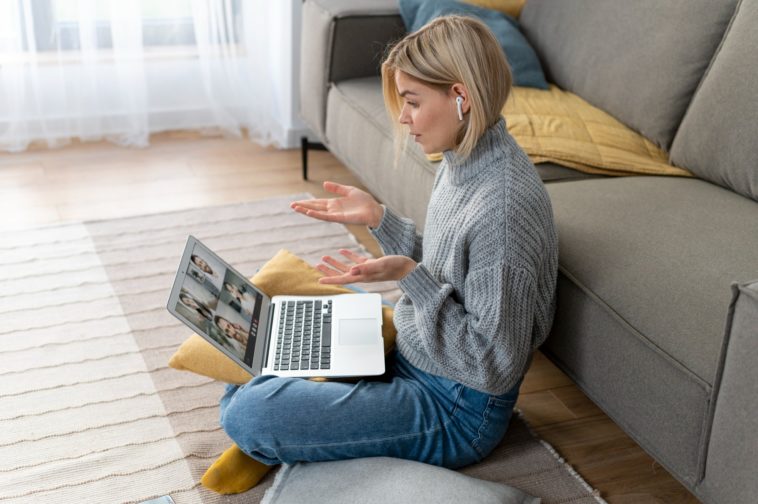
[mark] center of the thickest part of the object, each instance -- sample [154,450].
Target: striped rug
[89,410]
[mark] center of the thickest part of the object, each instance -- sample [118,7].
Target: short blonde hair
[447,50]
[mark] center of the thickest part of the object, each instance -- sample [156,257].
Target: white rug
[89,410]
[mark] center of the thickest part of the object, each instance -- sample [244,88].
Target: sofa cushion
[662,252]
[717,137]
[655,400]
[524,63]
[551,172]
[640,61]
[730,471]
[385,479]
[646,267]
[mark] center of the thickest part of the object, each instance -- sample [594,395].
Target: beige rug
[89,410]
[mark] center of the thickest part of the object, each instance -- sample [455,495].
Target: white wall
[293,126]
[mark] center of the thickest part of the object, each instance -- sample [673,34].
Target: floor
[85,181]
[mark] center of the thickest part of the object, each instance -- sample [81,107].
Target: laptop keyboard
[305,336]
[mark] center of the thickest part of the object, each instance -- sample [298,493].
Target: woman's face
[190,302]
[233,290]
[231,329]
[431,115]
[202,264]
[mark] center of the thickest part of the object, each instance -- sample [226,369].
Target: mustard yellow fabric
[233,472]
[560,127]
[510,7]
[285,273]
[199,356]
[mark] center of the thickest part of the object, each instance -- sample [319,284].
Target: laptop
[296,336]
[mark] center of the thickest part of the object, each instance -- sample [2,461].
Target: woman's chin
[429,148]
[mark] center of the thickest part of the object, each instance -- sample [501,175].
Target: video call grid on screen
[217,301]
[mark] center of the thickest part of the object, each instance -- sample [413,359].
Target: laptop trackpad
[358,331]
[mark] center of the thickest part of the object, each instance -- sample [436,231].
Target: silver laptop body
[296,336]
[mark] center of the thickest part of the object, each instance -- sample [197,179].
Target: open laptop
[296,336]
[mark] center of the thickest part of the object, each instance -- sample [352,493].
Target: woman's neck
[489,149]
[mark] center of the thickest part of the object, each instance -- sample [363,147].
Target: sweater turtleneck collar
[489,150]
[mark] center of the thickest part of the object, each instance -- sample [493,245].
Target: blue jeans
[405,413]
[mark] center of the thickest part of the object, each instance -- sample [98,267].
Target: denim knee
[229,391]
[245,419]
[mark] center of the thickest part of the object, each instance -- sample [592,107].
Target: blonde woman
[479,285]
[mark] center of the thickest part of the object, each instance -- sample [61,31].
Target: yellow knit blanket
[558,126]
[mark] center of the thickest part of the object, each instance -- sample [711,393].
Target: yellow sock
[234,472]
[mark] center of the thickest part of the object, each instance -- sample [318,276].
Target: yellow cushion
[285,273]
[558,126]
[510,7]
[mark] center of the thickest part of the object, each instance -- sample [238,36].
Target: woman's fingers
[367,271]
[339,279]
[356,258]
[318,209]
[325,216]
[332,280]
[326,270]
[315,204]
[331,261]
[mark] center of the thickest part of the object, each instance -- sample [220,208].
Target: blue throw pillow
[525,65]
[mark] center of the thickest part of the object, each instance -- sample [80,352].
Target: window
[56,23]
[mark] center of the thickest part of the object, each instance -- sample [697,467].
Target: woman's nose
[403,116]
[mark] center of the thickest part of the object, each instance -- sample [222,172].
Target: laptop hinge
[270,334]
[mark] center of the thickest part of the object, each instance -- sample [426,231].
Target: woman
[202,264]
[245,301]
[232,330]
[193,304]
[479,285]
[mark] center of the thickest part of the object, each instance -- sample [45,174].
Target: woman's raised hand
[364,269]
[352,207]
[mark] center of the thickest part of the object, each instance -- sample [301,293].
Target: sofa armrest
[732,450]
[341,39]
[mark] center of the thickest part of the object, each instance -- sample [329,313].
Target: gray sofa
[657,318]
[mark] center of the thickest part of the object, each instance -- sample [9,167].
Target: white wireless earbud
[459,102]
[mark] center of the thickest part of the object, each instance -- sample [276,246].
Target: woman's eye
[414,105]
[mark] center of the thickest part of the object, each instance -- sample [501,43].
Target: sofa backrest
[718,137]
[640,61]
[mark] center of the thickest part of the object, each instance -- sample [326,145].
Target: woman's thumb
[334,187]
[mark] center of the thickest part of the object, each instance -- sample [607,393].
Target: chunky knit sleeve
[486,341]
[397,236]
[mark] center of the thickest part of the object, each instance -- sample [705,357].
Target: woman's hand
[353,207]
[363,269]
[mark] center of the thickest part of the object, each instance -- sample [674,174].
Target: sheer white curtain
[122,69]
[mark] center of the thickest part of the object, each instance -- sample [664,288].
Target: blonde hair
[445,51]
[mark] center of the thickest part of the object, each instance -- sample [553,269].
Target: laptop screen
[218,302]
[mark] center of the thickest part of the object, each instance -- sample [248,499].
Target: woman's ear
[459,89]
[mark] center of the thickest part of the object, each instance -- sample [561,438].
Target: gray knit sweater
[483,295]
